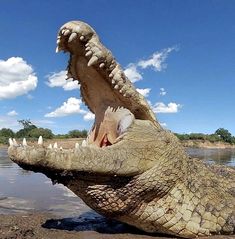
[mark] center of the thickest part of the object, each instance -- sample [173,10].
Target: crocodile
[130,168]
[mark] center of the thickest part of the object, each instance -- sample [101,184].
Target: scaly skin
[143,177]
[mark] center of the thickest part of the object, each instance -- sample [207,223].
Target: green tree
[27,127]
[8,133]
[77,133]
[27,124]
[45,133]
[224,134]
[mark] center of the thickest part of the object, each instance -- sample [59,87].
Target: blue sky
[180,53]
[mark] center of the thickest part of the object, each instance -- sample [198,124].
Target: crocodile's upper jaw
[104,87]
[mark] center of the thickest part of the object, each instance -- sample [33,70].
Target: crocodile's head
[125,141]
[104,87]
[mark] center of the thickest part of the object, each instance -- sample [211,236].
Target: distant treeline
[31,131]
[221,134]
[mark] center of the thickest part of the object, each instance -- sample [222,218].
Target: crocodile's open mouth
[104,87]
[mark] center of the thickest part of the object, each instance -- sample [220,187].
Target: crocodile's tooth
[66,32]
[93,60]
[50,146]
[124,123]
[87,44]
[87,48]
[57,41]
[14,142]
[24,142]
[111,75]
[63,31]
[10,142]
[116,87]
[115,70]
[72,36]
[102,65]
[55,146]
[40,140]
[82,38]
[84,144]
[76,145]
[61,148]
[89,53]
[57,49]
[113,82]
[111,66]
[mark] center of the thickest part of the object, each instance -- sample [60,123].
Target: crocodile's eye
[125,123]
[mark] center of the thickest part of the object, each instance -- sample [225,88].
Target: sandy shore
[46,226]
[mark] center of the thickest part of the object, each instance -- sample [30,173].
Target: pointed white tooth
[82,38]
[61,148]
[55,146]
[76,145]
[87,48]
[93,60]
[58,41]
[50,146]
[40,140]
[66,32]
[102,65]
[116,87]
[24,142]
[84,144]
[14,142]
[113,82]
[63,31]
[89,53]
[110,75]
[72,36]
[10,142]
[87,44]
[124,123]
[57,49]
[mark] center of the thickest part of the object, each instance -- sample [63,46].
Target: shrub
[45,133]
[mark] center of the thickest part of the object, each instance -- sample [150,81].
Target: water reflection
[25,191]
[219,156]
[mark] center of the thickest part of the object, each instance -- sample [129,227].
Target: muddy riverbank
[46,226]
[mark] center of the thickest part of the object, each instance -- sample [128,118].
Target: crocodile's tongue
[109,125]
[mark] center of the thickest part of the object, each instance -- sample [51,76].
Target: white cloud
[157,60]
[162,91]
[43,123]
[132,73]
[160,107]
[163,124]
[16,78]
[144,92]
[71,106]
[58,79]
[9,122]
[12,113]
[89,116]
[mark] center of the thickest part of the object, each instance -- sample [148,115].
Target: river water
[22,190]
